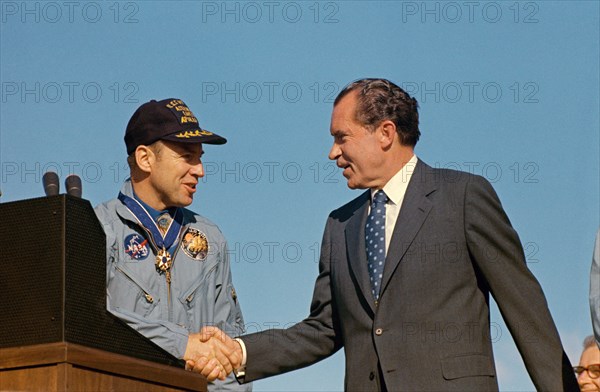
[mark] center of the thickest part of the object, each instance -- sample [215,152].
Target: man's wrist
[240,371]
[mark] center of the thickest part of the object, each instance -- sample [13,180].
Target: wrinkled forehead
[590,356]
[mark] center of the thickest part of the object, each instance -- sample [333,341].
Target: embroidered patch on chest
[195,244]
[136,247]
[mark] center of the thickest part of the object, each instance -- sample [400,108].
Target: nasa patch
[195,244]
[136,247]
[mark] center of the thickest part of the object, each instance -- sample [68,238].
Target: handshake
[212,353]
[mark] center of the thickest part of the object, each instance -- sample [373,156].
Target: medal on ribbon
[163,260]
[161,242]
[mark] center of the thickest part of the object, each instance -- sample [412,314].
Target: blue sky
[507,89]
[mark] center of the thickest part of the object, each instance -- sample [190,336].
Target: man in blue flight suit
[168,271]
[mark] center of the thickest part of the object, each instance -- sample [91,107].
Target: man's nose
[335,152]
[197,170]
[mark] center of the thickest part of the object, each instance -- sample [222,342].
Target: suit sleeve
[277,351]
[498,255]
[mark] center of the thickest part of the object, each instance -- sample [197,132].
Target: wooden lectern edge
[75,354]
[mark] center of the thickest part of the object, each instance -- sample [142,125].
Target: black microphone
[51,183]
[73,185]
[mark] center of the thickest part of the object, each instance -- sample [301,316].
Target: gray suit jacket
[452,246]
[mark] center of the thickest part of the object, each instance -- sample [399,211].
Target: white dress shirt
[395,189]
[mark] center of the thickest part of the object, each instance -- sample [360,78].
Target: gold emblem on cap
[174,103]
[196,133]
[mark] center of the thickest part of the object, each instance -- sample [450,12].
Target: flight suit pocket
[129,293]
[188,299]
[467,366]
[198,300]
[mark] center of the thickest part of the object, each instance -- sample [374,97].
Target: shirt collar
[127,190]
[397,185]
[154,213]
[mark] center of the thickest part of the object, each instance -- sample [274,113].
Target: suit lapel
[413,212]
[355,247]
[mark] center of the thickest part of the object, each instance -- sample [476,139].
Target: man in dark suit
[405,274]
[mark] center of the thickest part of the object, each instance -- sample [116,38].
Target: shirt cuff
[240,372]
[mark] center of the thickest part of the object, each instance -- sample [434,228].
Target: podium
[55,331]
[72,367]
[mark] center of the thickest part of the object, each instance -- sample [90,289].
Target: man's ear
[144,157]
[387,134]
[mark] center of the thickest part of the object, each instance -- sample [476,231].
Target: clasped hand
[212,353]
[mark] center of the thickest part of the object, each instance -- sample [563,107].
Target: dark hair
[379,100]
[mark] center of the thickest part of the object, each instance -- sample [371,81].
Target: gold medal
[163,260]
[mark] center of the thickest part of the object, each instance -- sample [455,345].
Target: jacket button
[378,331]
[372,376]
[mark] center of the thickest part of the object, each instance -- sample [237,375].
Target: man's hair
[588,342]
[379,100]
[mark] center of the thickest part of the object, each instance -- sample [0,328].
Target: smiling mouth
[191,187]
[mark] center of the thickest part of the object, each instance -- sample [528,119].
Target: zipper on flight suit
[168,279]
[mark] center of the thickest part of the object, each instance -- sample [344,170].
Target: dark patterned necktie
[375,240]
